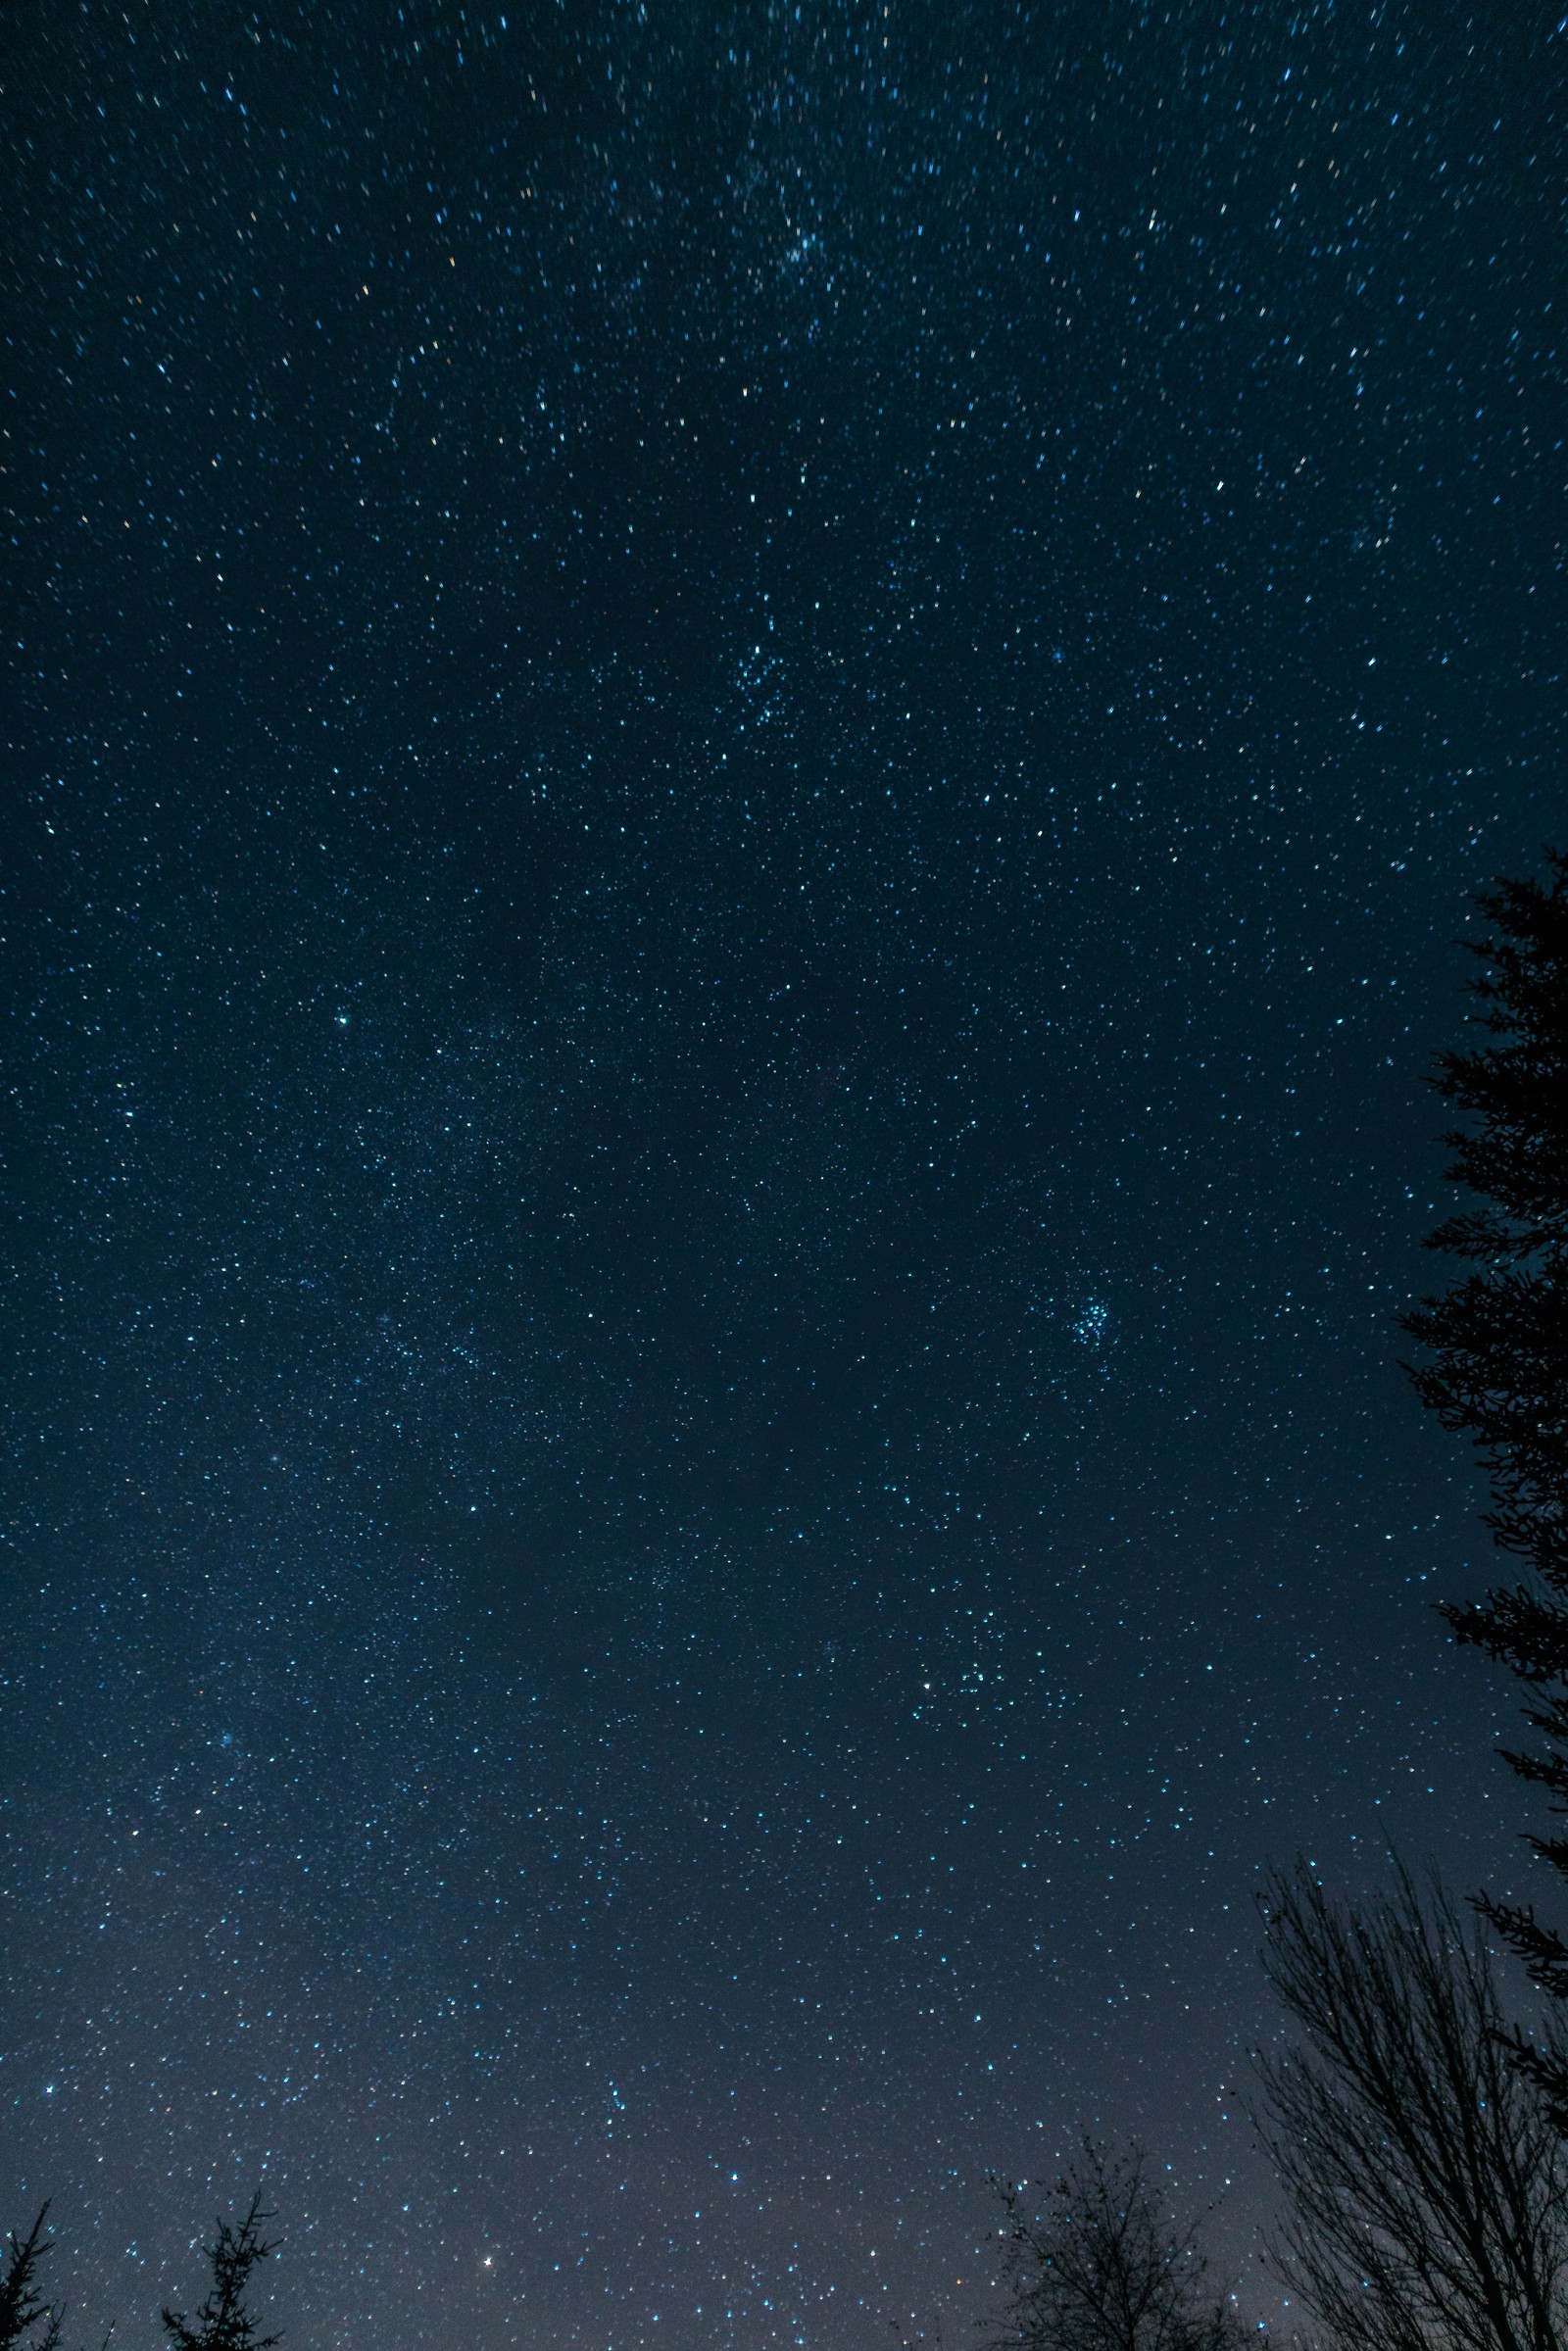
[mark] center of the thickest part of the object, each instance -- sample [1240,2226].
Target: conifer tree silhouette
[1496,1366]
[21,2306]
[224,2324]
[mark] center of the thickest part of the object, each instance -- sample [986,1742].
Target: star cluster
[745,741]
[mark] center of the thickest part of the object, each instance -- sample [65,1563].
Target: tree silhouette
[1427,2183]
[1104,2268]
[21,2306]
[1496,1366]
[224,2324]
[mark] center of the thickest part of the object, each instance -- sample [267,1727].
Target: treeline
[1416,2130]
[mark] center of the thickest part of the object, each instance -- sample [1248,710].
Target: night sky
[743,748]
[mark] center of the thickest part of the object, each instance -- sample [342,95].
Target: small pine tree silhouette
[224,2324]
[21,2306]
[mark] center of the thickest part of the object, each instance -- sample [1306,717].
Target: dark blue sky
[746,749]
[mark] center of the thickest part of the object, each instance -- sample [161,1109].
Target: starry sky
[745,743]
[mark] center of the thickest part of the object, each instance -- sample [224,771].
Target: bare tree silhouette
[1427,2183]
[1105,2268]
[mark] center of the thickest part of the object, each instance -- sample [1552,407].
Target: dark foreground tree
[1428,2187]
[1104,2268]
[224,2324]
[28,2323]
[1496,1366]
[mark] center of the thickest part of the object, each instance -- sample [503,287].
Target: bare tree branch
[1104,2268]
[1427,2184]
